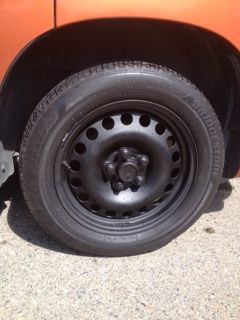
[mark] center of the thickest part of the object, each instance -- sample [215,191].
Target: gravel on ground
[196,276]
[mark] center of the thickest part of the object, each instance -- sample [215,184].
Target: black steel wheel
[126,164]
[131,156]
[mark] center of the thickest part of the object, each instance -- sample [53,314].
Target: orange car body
[22,21]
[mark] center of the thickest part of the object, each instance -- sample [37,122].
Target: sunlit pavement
[196,276]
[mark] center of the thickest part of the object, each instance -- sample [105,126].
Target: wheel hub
[126,168]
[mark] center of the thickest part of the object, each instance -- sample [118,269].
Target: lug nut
[140,181]
[144,161]
[118,186]
[124,153]
[110,169]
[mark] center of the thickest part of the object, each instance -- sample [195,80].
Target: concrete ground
[196,276]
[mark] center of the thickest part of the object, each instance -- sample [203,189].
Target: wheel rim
[128,190]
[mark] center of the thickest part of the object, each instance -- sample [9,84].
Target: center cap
[128,172]
[126,168]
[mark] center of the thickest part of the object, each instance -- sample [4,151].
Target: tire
[121,158]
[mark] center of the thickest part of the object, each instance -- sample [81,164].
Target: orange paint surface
[21,21]
[220,16]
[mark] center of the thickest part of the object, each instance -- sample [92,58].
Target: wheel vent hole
[92,133]
[127,214]
[75,165]
[126,119]
[76,183]
[169,188]
[83,197]
[157,200]
[175,173]
[95,207]
[144,121]
[142,210]
[160,128]
[176,156]
[80,148]
[171,141]
[110,214]
[108,123]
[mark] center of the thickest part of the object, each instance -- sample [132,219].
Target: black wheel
[121,158]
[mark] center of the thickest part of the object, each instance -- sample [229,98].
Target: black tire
[172,200]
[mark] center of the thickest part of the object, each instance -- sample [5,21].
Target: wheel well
[206,59]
